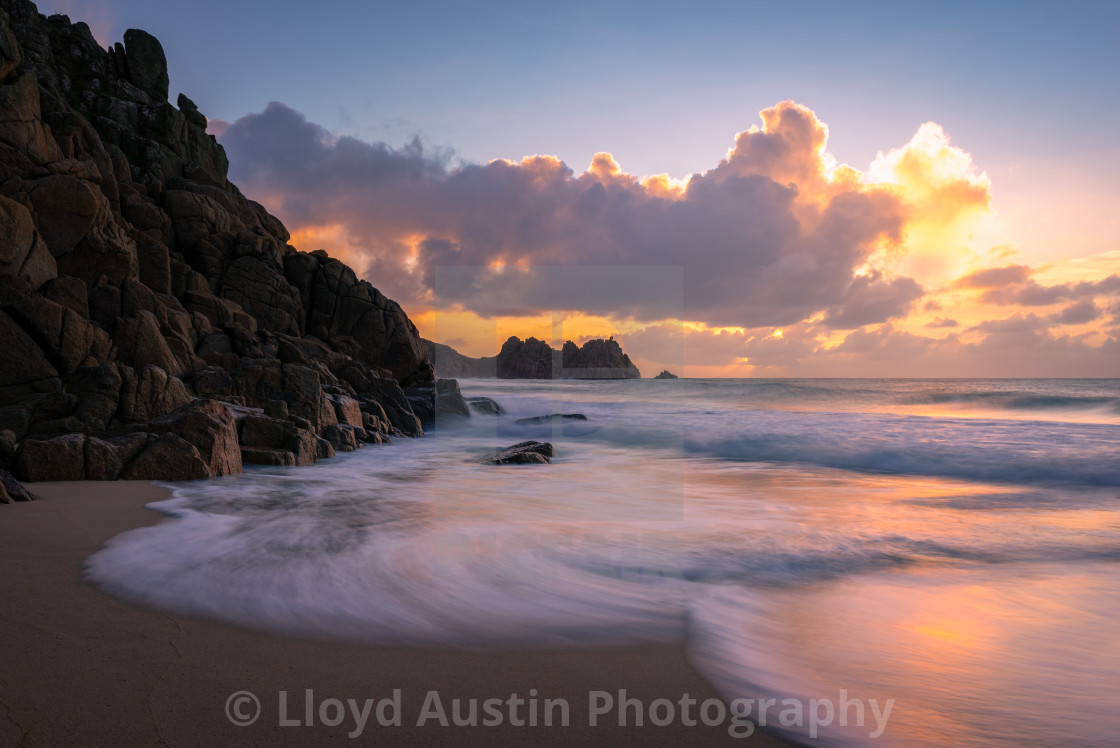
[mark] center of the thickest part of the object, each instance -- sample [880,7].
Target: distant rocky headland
[536,359]
[156,324]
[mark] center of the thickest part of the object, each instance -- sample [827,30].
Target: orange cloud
[777,236]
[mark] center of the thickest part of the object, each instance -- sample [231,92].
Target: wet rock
[343,438]
[449,400]
[323,448]
[347,410]
[523,453]
[304,447]
[484,406]
[389,395]
[267,456]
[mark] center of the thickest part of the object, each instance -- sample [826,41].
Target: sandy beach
[78,666]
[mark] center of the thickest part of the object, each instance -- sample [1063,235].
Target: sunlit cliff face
[789,263]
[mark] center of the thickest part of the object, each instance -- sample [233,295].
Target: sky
[731,189]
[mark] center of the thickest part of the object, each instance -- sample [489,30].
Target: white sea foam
[696,511]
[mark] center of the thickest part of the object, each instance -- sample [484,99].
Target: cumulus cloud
[774,234]
[775,261]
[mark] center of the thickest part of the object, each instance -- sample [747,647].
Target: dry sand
[79,667]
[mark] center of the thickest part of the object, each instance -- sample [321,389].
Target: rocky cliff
[536,359]
[449,362]
[155,321]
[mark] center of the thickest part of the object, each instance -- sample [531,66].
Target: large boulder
[61,458]
[170,457]
[209,427]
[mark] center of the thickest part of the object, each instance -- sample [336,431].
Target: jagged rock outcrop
[666,374]
[536,359]
[145,302]
[528,359]
[597,359]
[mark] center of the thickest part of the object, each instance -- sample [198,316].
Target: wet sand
[78,666]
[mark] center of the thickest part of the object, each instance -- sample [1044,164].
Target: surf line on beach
[741,716]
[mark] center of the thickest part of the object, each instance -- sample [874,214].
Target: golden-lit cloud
[787,261]
[950,224]
[334,239]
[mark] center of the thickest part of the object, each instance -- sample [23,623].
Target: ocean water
[951,545]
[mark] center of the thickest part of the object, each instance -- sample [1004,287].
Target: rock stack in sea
[536,359]
[597,359]
[155,322]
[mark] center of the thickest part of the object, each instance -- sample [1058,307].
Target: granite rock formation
[156,322]
[536,359]
[666,374]
[597,359]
